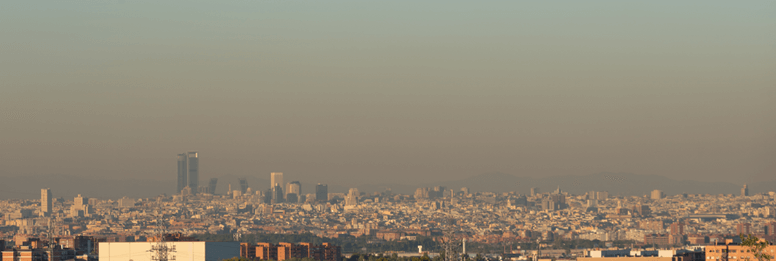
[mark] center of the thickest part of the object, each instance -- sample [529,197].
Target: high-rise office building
[656,194]
[243,185]
[268,196]
[183,172]
[80,201]
[276,178]
[352,198]
[193,169]
[321,192]
[276,181]
[45,202]
[277,194]
[294,187]
[211,187]
[745,191]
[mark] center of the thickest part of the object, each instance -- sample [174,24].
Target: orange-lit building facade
[735,252]
[285,251]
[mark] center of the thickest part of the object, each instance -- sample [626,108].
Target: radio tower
[51,243]
[161,251]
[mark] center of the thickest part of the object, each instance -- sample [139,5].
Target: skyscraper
[193,169]
[212,186]
[80,201]
[352,198]
[294,187]
[268,196]
[321,192]
[183,172]
[277,194]
[276,178]
[745,191]
[45,202]
[243,185]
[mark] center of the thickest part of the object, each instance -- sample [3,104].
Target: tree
[757,247]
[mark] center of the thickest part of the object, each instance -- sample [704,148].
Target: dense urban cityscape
[387,130]
[518,225]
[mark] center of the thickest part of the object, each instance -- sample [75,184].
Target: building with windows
[294,187]
[188,171]
[183,172]
[284,251]
[193,169]
[656,194]
[321,192]
[45,202]
[276,179]
[734,252]
[182,250]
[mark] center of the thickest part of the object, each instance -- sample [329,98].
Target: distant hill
[615,183]
[28,187]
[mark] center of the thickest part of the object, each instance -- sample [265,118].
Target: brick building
[734,251]
[284,251]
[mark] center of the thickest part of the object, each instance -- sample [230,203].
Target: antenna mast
[50,240]
[161,249]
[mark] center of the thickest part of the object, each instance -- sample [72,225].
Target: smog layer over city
[387,130]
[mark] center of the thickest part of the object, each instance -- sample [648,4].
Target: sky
[357,92]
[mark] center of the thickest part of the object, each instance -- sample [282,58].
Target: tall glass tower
[183,172]
[193,169]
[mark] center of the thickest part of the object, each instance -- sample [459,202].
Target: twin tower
[188,171]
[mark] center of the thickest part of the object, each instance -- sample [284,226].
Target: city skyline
[616,183]
[431,130]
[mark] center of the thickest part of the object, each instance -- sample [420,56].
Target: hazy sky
[354,92]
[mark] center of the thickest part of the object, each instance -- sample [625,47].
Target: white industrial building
[181,250]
